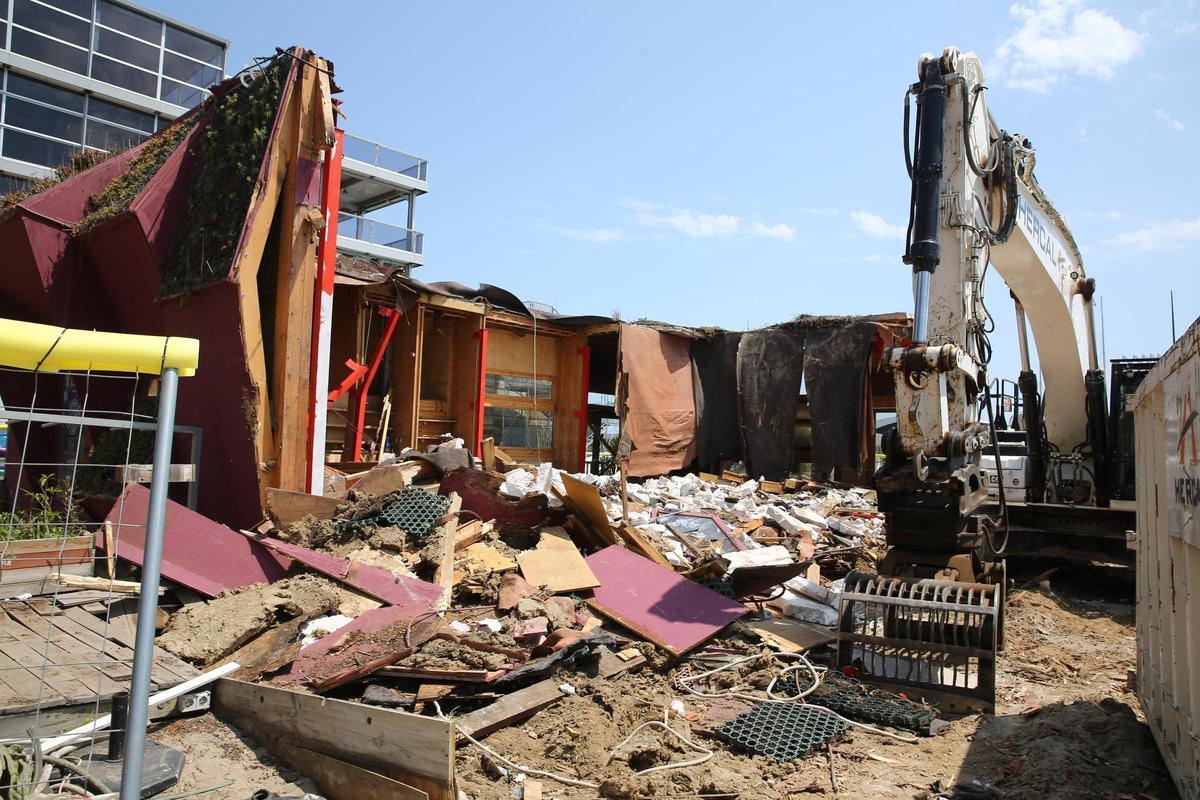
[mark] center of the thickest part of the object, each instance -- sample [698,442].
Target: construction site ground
[1067,725]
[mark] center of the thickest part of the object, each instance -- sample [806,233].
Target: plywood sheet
[197,552]
[666,608]
[791,635]
[556,564]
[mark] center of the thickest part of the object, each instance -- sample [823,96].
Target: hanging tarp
[770,364]
[718,432]
[660,410]
[836,379]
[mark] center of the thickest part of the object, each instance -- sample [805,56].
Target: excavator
[932,619]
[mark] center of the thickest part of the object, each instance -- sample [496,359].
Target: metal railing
[384,157]
[372,231]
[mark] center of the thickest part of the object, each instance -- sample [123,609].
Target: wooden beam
[510,708]
[341,780]
[289,508]
[444,576]
[416,750]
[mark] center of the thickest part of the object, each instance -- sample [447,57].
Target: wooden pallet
[61,665]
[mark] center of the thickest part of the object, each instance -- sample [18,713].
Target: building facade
[105,75]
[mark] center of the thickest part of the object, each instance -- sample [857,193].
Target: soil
[217,752]
[1066,726]
[204,632]
[444,654]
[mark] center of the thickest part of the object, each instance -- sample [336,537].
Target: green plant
[50,508]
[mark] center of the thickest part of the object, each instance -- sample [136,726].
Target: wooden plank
[129,639]
[444,576]
[666,608]
[144,473]
[416,750]
[556,564]
[103,584]
[468,534]
[288,508]
[488,454]
[268,652]
[62,674]
[510,708]
[585,501]
[103,666]
[638,543]
[789,635]
[489,559]
[341,780]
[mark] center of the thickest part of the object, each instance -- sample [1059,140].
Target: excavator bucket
[933,640]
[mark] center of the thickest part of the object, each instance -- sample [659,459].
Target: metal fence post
[143,654]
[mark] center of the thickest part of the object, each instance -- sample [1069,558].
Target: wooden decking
[58,663]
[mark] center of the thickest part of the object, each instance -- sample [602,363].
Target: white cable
[673,765]
[686,681]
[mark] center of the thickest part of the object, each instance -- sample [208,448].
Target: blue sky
[735,164]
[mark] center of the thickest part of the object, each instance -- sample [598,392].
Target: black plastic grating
[864,703]
[415,511]
[782,731]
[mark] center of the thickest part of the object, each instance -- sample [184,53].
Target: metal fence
[90,420]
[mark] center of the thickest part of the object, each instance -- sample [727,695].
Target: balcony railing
[384,157]
[384,234]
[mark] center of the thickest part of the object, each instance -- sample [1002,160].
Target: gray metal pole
[143,652]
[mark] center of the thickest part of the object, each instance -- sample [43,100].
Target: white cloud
[1056,39]
[1168,120]
[1173,235]
[1185,28]
[691,223]
[781,231]
[593,235]
[875,225]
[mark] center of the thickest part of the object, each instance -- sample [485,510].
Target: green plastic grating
[782,731]
[415,511]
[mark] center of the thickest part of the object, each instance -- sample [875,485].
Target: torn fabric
[660,411]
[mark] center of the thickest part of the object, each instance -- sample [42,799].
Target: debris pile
[688,613]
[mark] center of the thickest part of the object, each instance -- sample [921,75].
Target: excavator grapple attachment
[933,640]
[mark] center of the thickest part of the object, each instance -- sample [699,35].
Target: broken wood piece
[392,476]
[482,557]
[556,564]
[790,635]
[502,456]
[268,652]
[440,675]
[708,477]
[637,542]
[487,452]
[770,487]
[733,477]
[611,664]
[102,584]
[585,502]
[666,608]
[444,576]
[469,533]
[288,508]
[510,708]
[416,750]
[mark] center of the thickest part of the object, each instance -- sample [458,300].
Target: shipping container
[1167,540]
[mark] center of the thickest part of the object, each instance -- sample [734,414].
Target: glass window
[35,149]
[50,22]
[41,119]
[124,48]
[189,71]
[44,92]
[191,45]
[519,427]
[99,109]
[132,78]
[181,94]
[81,7]
[518,386]
[49,51]
[126,21]
[103,136]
